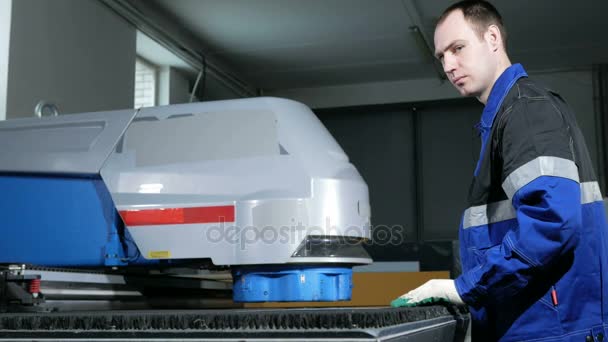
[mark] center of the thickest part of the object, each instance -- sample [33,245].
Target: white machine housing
[270,158]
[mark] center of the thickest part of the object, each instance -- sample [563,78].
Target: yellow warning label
[159,255]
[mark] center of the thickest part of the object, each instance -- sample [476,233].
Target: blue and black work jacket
[533,240]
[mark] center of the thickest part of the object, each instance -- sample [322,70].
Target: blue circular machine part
[292,284]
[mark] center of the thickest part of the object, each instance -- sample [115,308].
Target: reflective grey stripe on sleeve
[490,213]
[541,166]
[503,210]
[590,192]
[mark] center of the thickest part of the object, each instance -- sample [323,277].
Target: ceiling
[284,44]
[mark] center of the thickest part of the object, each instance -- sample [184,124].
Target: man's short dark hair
[481,14]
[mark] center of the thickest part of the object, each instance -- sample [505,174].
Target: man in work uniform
[533,240]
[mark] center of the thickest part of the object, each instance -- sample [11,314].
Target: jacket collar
[501,88]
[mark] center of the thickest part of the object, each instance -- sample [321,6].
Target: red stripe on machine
[166,216]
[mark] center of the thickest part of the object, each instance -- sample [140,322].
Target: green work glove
[405,302]
[433,291]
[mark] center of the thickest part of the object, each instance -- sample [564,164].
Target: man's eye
[459,47]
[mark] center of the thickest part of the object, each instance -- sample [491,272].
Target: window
[145,83]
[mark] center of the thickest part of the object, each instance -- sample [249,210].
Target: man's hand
[432,290]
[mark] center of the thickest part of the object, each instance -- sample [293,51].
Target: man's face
[467,60]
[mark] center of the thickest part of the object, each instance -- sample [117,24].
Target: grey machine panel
[66,144]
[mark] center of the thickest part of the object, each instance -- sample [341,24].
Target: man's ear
[493,37]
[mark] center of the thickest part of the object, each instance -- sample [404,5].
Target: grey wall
[179,87]
[379,142]
[173,86]
[449,149]
[5,30]
[418,163]
[77,54]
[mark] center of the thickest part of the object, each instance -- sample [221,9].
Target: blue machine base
[64,221]
[292,284]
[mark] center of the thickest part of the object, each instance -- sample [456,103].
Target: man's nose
[449,63]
